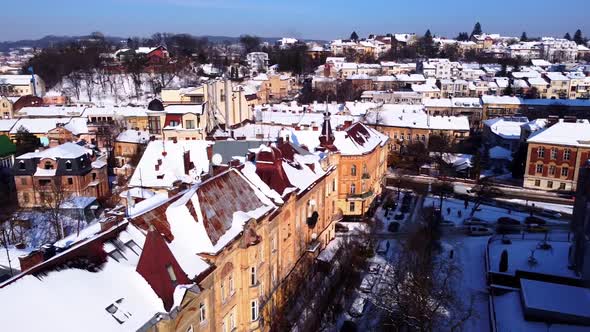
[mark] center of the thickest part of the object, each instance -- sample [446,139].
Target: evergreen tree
[567,36]
[476,29]
[463,36]
[25,141]
[354,36]
[504,261]
[578,37]
[524,37]
[426,45]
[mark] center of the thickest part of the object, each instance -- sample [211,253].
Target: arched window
[69,165]
[21,165]
[352,189]
[353,170]
[48,165]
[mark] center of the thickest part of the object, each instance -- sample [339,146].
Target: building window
[273,244]
[550,184]
[93,176]
[562,186]
[553,153]
[202,312]
[254,310]
[352,189]
[23,181]
[253,278]
[21,165]
[353,170]
[48,165]
[541,152]
[539,168]
[551,170]
[230,282]
[333,185]
[190,124]
[537,183]
[68,165]
[565,171]
[566,154]
[171,274]
[232,321]
[222,291]
[351,207]
[70,181]
[26,197]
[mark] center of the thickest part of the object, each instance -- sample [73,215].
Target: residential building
[559,86]
[128,149]
[43,177]
[22,85]
[257,62]
[453,88]
[504,132]
[469,107]
[556,154]
[407,124]
[5,108]
[580,224]
[559,50]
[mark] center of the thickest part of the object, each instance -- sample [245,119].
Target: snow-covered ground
[458,212]
[562,208]
[470,251]
[553,261]
[117,89]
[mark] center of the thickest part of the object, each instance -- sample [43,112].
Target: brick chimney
[30,260]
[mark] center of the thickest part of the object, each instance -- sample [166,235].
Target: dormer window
[118,312]
[171,274]
[48,165]
[22,166]
[68,165]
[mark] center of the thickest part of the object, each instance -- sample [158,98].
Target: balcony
[366,176]
[361,196]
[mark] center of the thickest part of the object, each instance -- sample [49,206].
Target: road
[462,187]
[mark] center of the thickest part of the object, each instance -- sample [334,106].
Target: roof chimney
[30,260]
[186,158]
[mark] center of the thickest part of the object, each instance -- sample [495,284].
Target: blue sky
[319,19]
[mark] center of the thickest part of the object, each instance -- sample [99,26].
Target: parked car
[508,221]
[536,228]
[358,307]
[534,220]
[474,221]
[480,231]
[393,227]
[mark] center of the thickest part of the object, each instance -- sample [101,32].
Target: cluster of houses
[231,189]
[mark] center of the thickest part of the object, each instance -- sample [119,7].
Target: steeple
[327,136]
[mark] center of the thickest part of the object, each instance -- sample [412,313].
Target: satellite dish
[217,159]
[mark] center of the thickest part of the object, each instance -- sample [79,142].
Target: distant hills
[51,40]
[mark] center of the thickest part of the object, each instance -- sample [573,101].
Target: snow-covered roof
[211,215]
[84,296]
[453,102]
[564,133]
[537,81]
[425,88]
[541,63]
[184,109]
[127,111]
[66,150]
[16,79]
[51,111]
[134,136]
[555,76]
[171,170]
[413,116]
[41,126]
[503,100]
[498,152]
[7,124]
[507,128]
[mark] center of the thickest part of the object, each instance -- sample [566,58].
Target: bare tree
[418,292]
[483,191]
[52,197]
